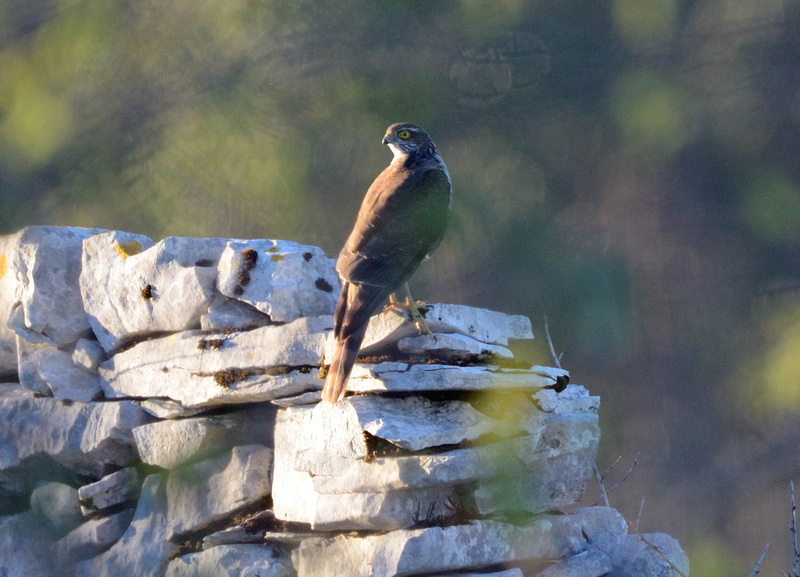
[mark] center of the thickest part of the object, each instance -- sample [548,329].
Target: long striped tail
[341,365]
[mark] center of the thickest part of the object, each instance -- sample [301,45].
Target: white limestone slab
[114,489]
[212,490]
[226,313]
[200,370]
[234,561]
[450,345]
[87,438]
[403,377]
[39,296]
[169,444]
[133,288]
[472,546]
[92,537]
[280,278]
[143,549]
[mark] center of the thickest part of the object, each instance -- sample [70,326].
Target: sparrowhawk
[401,221]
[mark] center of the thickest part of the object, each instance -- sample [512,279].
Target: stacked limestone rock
[160,416]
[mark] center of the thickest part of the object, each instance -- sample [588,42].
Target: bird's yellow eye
[404,134]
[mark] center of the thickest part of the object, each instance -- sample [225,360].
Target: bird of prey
[401,221]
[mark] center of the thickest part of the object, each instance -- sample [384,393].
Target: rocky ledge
[160,416]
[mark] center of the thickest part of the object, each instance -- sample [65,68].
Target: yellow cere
[126,249]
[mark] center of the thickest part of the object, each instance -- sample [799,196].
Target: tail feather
[341,365]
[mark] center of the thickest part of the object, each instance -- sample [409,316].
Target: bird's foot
[414,309]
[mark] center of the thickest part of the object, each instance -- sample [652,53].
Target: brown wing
[402,219]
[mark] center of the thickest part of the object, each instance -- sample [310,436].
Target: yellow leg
[413,310]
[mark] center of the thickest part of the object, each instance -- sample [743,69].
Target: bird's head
[405,139]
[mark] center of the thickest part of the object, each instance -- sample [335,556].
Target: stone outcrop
[161,416]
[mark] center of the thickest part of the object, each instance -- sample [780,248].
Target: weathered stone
[594,562]
[483,325]
[251,530]
[15,391]
[114,489]
[260,528]
[563,459]
[479,544]
[28,365]
[647,554]
[88,354]
[326,470]
[169,444]
[402,377]
[226,313]
[64,379]
[169,409]
[143,549]
[40,266]
[200,494]
[450,346]
[57,504]
[233,561]
[515,572]
[22,542]
[280,278]
[92,537]
[132,288]
[201,370]
[651,554]
[87,438]
[416,423]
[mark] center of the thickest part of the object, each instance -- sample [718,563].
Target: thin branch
[757,567]
[610,467]
[600,484]
[639,516]
[556,358]
[622,480]
[793,529]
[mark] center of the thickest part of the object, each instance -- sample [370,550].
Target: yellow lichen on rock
[126,249]
[3,265]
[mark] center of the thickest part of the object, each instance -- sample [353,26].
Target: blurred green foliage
[627,167]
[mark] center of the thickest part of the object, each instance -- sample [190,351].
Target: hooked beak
[386,139]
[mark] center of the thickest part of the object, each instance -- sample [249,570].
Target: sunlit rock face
[160,415]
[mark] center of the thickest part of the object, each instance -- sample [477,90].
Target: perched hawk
[402,219]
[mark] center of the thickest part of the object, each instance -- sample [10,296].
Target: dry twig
[556,358]
[757,567]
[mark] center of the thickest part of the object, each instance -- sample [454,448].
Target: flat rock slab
[473,546]
[45,368]
[482,325]
[134,288]
[403,377]
[92,537]
[170,444]
[233,561]
[201,494]
[450,346]
[332,473]
[114,489]
[143,549]
[280,278]
[88,439]
[39,297]
[203,370]
[22,543]
[651,554]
